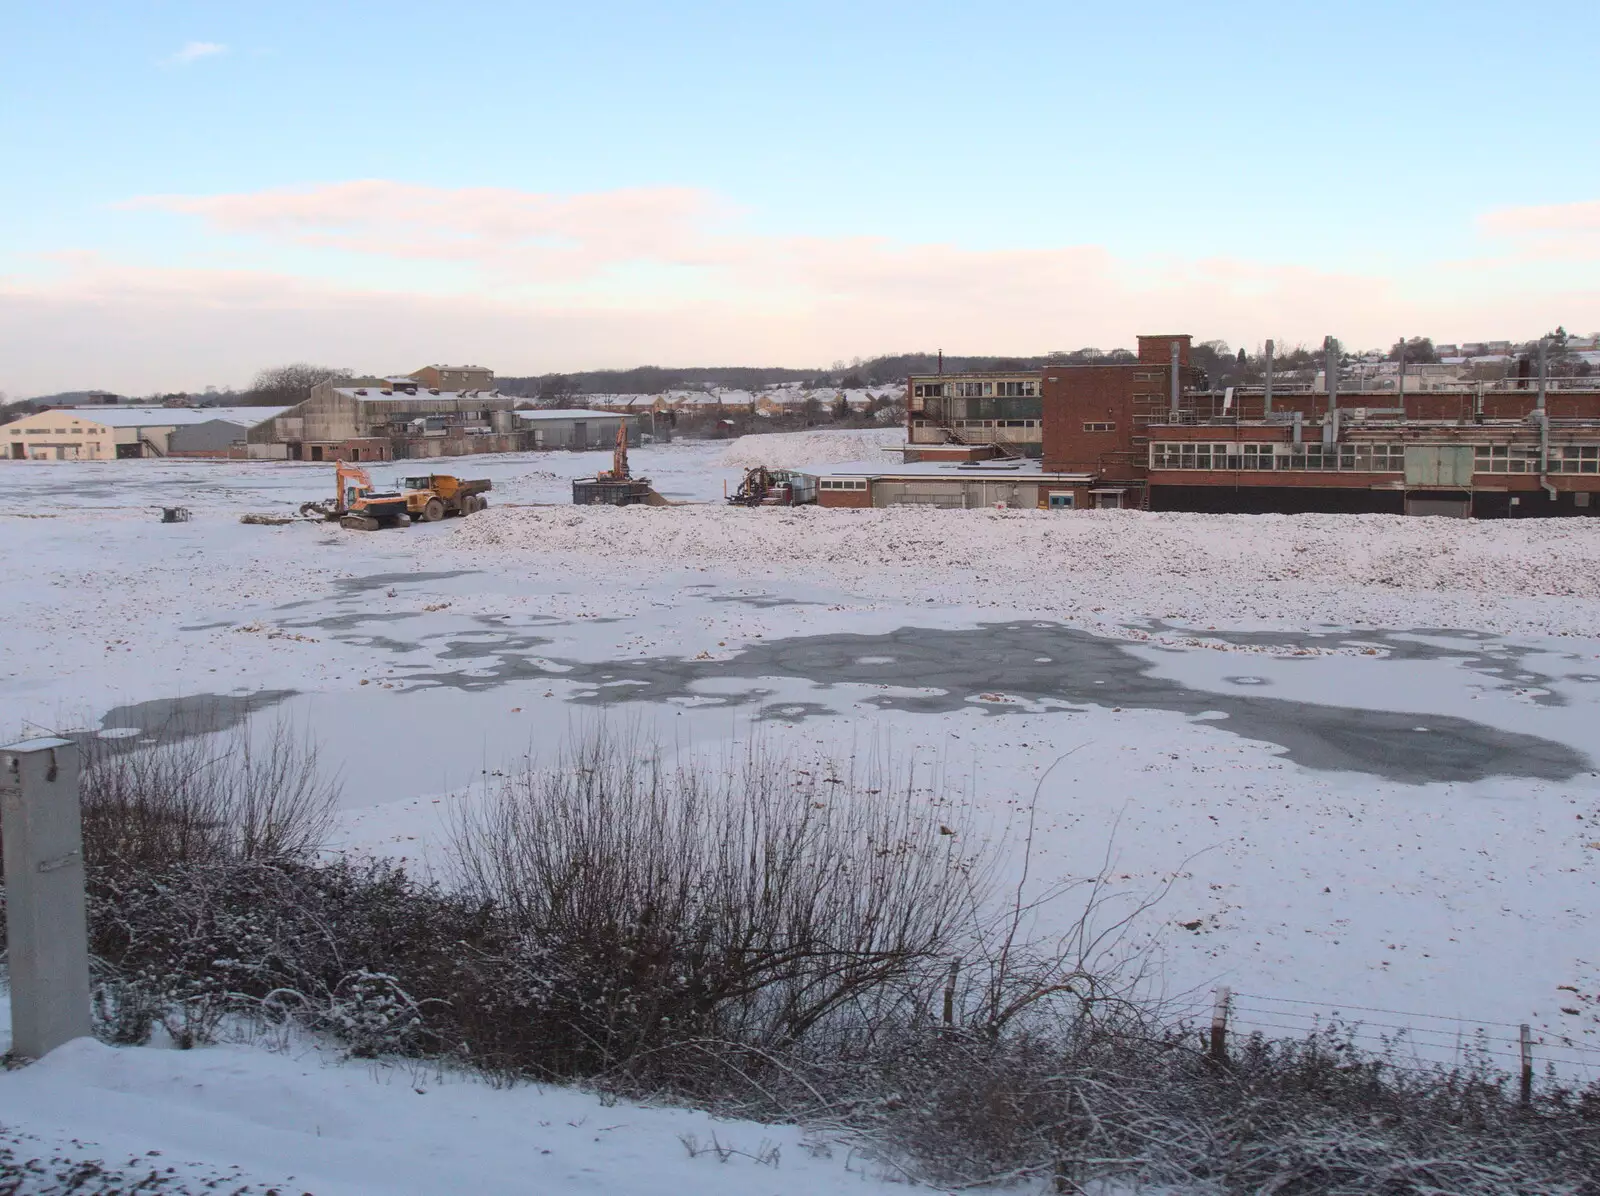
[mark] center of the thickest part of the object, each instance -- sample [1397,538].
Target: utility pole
[1402,371]
[1267,397]
[47,936]
[1544,374]
[1331,368]
[1177,382]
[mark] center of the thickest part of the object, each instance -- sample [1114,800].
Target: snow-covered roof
[410,389]
[124,416]
[569,413]
[1017,471]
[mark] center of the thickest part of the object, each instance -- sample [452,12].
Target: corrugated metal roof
[402,393]
[124,416]
[952,471]
[569,413]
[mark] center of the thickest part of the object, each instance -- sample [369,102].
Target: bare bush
[773,940]
[747,905]
[231,797]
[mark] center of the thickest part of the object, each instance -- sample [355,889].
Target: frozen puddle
[1001,669]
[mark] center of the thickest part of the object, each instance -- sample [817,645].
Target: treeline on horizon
[1223,366]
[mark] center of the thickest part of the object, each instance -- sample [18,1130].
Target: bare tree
[286,385]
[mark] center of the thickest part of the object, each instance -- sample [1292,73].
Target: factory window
[1575,458]
[1016,390]
[1099,427]
[929,390]
[1363,458]
[1506,458]
[972,390]
[844,483]
[1372,458]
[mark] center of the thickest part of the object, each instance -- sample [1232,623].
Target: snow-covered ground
[1358,747]
[248,1119]
[801,450]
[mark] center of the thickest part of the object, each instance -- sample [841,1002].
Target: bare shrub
[205,799]
[747,905]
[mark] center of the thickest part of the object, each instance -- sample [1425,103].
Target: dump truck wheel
[483,504]
[433,512]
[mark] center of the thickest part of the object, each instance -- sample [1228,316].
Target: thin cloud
[1553,231]
[612,278]
[194,52]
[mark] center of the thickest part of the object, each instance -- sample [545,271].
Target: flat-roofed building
[107,432]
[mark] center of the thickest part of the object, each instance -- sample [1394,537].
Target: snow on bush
[799,450]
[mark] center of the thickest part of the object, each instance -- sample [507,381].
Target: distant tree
[1244,358]
[852,381]
[810,408]
[841,408]
[286,385]
[558,390]
[1417,349]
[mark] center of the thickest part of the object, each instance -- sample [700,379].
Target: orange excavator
[358,505]
[619,458]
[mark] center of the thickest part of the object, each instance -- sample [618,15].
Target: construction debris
[763,487]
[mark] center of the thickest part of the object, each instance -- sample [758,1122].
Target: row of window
[1100,427]
[1358,458]
[1363,458]
[843,483]
[56,432]
[1026,389]
[994,423]
[1517,458]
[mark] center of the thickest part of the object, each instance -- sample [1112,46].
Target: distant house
[106,432]
[455,377]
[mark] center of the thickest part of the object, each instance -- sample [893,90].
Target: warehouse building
[389,419]
[1151,433]
[576,429]
[105,432]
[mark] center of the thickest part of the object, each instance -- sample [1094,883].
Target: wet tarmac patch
[377,581]
[1044,666]
[1478,652]
[168,720]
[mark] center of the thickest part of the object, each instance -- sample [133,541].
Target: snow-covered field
[296,1118]
[1358,747]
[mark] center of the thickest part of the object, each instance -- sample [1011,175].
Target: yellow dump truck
[433,496]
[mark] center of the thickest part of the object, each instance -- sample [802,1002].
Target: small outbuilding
[1002,483]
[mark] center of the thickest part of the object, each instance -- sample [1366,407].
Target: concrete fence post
[47,935]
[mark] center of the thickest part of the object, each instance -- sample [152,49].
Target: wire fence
[1404,1039]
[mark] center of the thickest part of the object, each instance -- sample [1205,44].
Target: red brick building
[1150,433]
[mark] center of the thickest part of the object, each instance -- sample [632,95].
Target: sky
[197,191]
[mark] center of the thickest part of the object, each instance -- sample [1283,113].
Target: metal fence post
[47,933]
[1525,1045]
[1219,1026]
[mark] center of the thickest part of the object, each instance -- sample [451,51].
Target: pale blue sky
[1222,162]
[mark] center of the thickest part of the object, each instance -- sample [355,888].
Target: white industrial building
[105,432]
